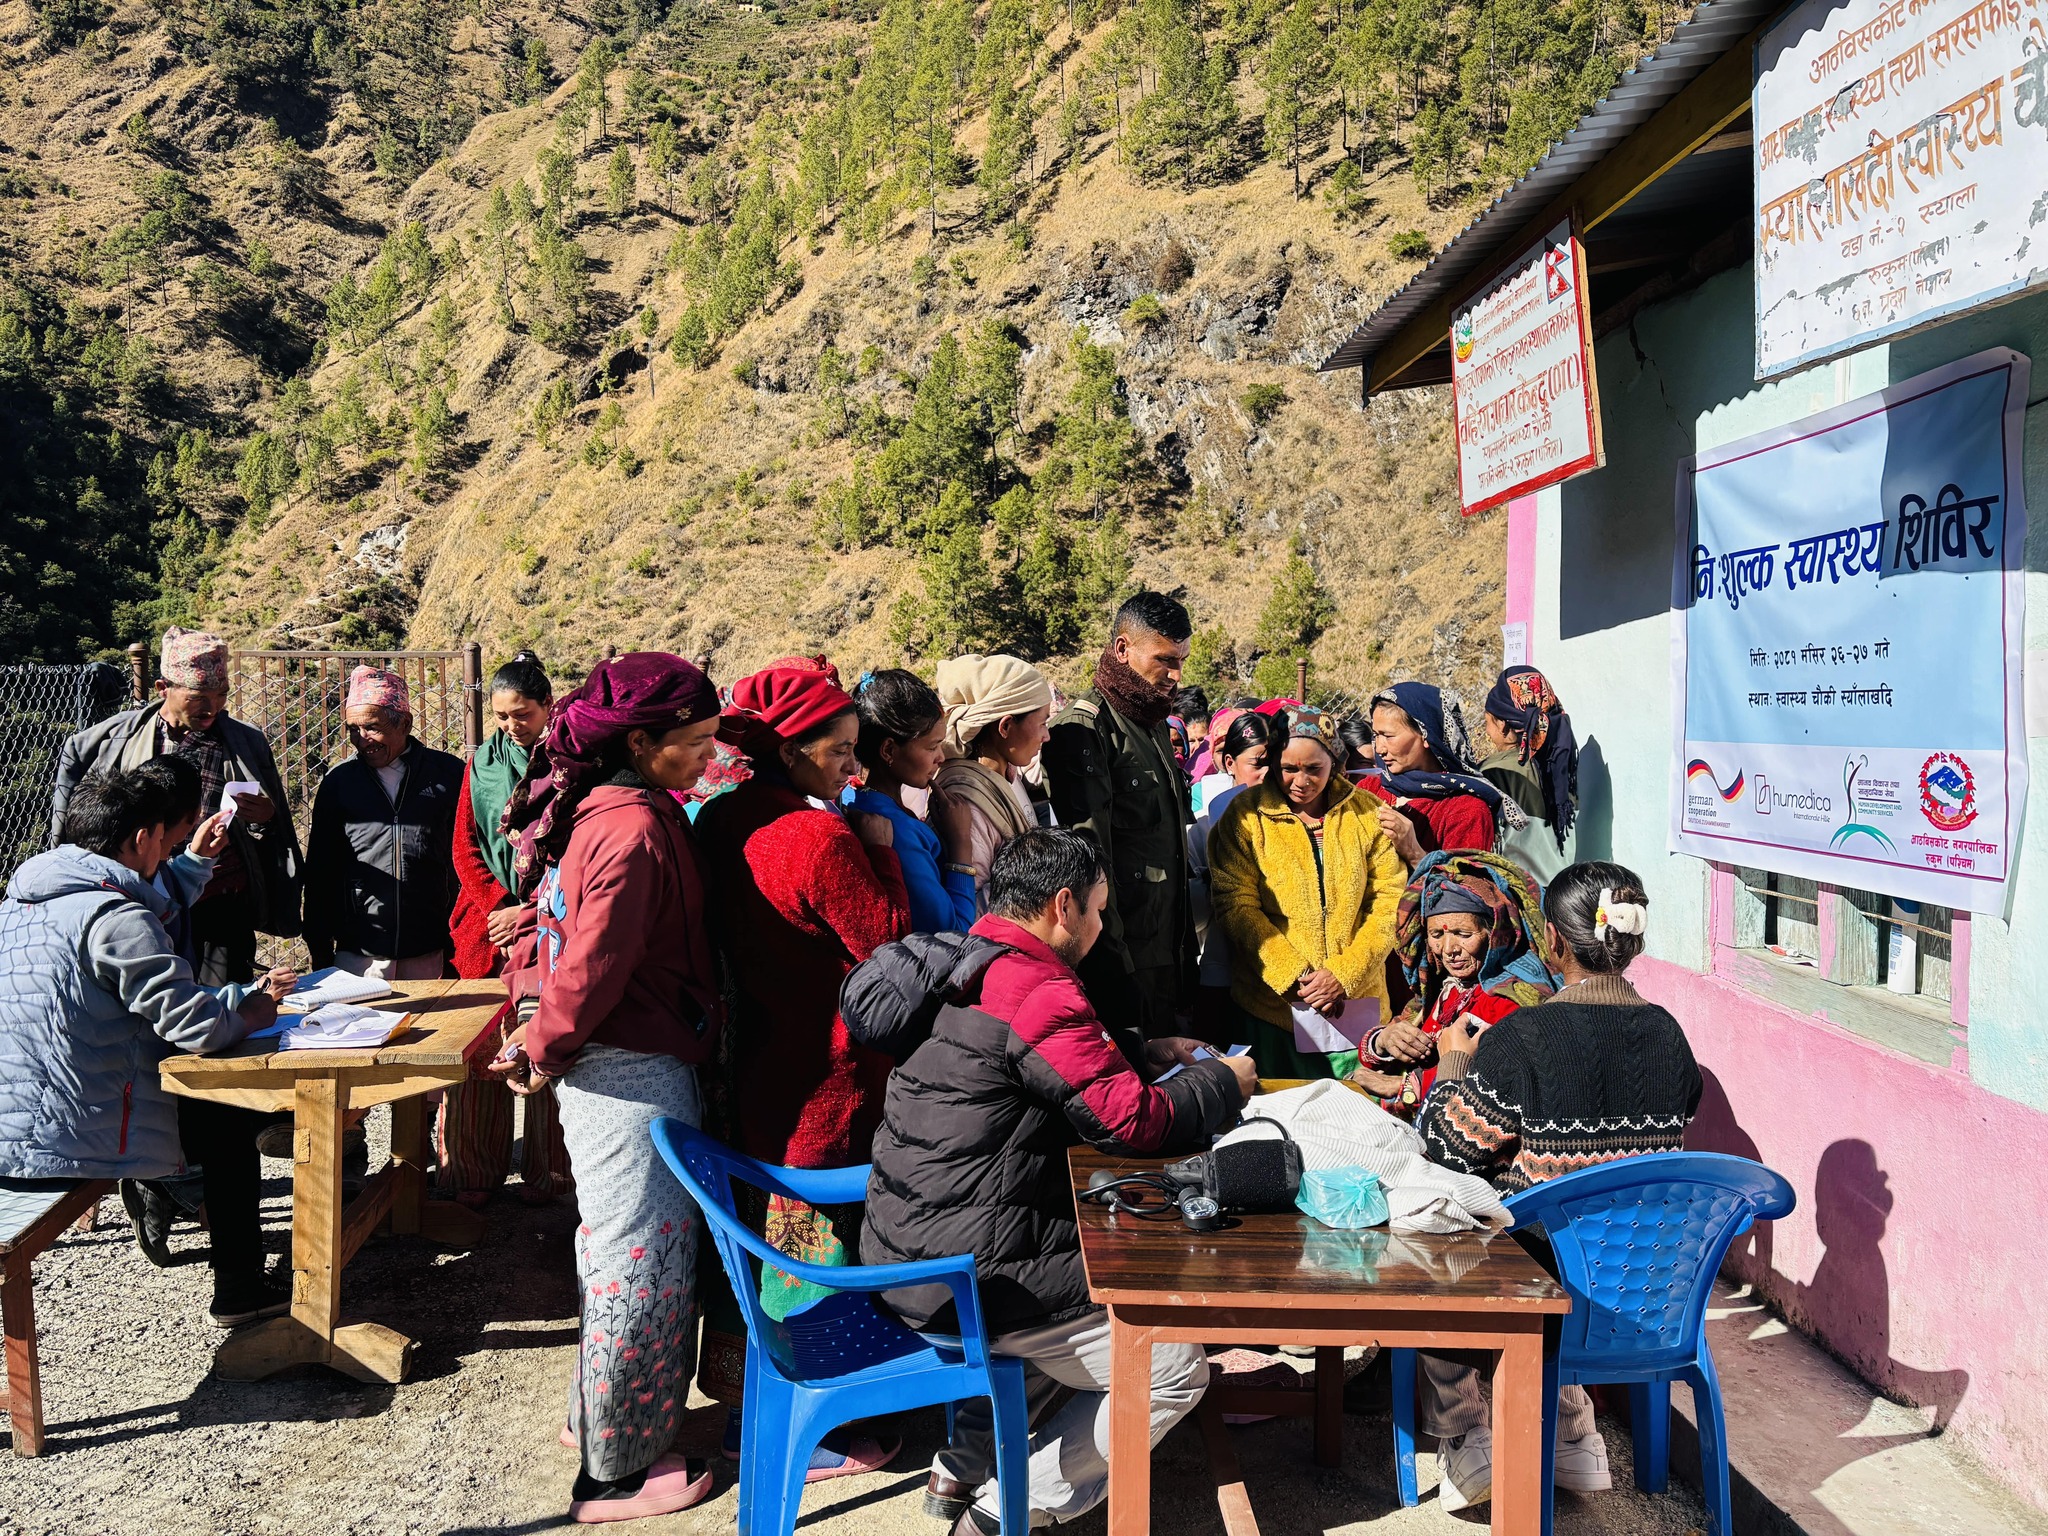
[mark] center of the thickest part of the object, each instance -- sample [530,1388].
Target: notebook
[336,1027]
[317,989]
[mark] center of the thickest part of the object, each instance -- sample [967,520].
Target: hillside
[746,332]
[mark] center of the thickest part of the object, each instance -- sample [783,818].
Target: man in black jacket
[380,866]
[972,1158]
[255,884]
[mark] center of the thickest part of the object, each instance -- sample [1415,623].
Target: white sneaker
[1580,1466]
[1467,1463]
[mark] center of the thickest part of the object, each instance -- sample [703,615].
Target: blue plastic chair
[1638,1242]
[842,1358]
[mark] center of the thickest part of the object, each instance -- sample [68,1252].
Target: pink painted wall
[1916,1252]
[1519,600]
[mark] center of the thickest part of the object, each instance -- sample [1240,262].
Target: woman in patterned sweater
[1593,1074]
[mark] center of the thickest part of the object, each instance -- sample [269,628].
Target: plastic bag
[1342,1197]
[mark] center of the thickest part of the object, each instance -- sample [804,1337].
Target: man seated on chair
[1591,1074]
[972,1158]
[93,995]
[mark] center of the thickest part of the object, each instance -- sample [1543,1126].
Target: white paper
[233,788]
[1514,644]
[1317,1031]
[316,989]
[340,1027]
[1203,1054]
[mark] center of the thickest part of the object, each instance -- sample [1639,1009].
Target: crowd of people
[723,905]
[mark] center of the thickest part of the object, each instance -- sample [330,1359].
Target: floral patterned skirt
[636,1257]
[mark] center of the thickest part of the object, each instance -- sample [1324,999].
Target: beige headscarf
[980,690]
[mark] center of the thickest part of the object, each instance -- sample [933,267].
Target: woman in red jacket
[805,892]
[1433,797]
[629,1009]
[474,1129]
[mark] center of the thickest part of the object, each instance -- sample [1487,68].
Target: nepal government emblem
[1948,792]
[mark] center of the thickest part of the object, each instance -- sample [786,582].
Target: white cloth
[1339,1127]
[392,777]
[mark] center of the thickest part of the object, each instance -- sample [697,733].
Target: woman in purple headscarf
[628,1009]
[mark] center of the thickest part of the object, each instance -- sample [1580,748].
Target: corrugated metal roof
[1712,29]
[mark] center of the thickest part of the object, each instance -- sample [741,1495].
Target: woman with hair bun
[473,1129]
[1593,1074]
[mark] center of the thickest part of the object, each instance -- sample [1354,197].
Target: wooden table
[450,1026]
[1288,1279]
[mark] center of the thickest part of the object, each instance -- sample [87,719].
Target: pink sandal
[669,1487]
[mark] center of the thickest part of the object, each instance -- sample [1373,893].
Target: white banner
[1901,165]
[1522,383]
[1848,611]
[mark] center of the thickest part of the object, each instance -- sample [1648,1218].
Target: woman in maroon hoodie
[629,1008]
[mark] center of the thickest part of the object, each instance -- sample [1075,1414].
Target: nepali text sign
[1522,377]
[1901,168]
[1846,641]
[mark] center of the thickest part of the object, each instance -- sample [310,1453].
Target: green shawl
[495,771]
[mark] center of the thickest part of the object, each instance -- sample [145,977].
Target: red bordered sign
[1525,397]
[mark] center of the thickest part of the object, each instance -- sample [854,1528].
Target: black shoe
[973,1522]
[945,1499]
[250,1303]
[152,1214]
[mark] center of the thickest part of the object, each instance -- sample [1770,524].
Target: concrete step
[1814,1451]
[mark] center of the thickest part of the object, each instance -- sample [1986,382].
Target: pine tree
[622,185]
[931,159]
[504,257]
[593,94]
[1295,615]
[1011,142]
[663,157]
[1297,81]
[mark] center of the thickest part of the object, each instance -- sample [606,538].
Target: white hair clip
[1618,916]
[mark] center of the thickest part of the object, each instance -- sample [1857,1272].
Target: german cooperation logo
[1948,792]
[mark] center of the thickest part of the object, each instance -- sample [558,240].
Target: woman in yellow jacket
[1305,885]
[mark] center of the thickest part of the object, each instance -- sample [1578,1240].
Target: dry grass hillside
[680,506]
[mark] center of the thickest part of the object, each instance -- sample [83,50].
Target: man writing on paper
[380,865]
[93,995]
[255,883]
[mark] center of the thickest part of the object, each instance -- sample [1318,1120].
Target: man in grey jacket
[255,884]
[93,996]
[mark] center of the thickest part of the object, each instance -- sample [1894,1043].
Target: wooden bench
[29,1222]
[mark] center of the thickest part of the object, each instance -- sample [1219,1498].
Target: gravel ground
[144,1439]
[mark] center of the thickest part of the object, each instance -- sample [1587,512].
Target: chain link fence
[39,708]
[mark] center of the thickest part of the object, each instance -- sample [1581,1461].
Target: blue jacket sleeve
[939,902]
[960,891]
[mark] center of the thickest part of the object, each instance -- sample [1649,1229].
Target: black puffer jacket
[972,1153]
[380,874]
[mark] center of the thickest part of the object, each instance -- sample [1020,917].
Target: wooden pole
[472,695]
[138,671]
[1301,678]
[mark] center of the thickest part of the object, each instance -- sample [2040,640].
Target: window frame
[1860,1011]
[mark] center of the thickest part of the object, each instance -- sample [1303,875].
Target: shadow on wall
[1594,824]
[1847,1304]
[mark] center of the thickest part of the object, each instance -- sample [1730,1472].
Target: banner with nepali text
[1848,607]
[1901,168]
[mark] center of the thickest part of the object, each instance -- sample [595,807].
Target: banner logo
[1851,766]
[1948,792]
[1699,768]
[1463,337]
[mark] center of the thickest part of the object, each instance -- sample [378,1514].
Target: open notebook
[316,989]
[337,1027]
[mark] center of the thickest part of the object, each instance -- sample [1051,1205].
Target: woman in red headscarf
[629,1009]
[805,892]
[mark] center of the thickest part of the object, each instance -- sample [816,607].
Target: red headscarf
[643,690]
[784,701]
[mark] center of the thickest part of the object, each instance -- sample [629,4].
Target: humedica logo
[1851,827]
[1699,768]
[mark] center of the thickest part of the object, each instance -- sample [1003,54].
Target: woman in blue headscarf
[1535,762]
[1433,797]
